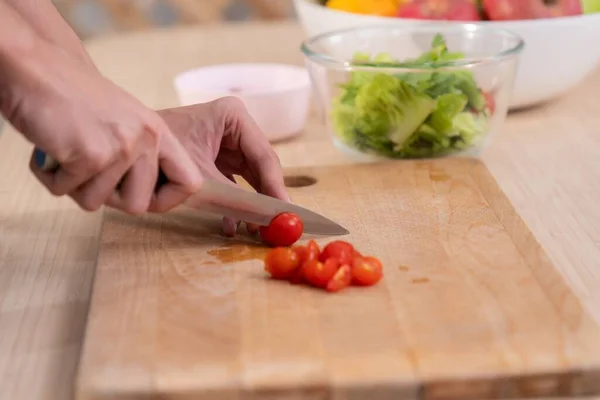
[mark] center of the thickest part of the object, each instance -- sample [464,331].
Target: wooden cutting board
[470,306]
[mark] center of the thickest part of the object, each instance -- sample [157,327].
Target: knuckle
[135,208]
[126,142]
[87,203]
[54,190]
[271,157]
[231,103]
[97,159]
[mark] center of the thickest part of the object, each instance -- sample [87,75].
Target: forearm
[18,42]
[45,20]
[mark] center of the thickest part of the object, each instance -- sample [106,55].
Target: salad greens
[412,114]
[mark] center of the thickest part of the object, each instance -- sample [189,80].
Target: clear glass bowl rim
[333,62]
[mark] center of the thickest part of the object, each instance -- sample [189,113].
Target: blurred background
[96,17]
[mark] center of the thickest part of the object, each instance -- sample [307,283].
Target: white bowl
[277,96]
[559,52]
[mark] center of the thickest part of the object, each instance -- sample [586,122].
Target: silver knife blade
[242,205]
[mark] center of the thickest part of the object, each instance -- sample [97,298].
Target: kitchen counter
[49,247]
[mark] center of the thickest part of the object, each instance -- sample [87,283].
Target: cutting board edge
[591,376]
[534,253]
[570,383]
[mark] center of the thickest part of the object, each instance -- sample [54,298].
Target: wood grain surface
[546,160]
[470,306]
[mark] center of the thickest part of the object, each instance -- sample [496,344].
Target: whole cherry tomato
[366,271]
[282,262]
[339,249]
[319,274]
[341,279]
[284,230]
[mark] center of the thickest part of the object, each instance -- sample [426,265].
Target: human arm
[44,19]
[98,133]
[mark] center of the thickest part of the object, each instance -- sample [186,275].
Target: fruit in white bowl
[509,10]
[457,10]
[560,52]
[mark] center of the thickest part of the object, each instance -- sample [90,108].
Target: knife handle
[47,163]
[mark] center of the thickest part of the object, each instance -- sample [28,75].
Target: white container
[277,96]
[559,52]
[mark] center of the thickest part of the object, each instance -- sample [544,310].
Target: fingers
[260,156]
[137,187]
[94,193]
[184,176]
[230,225]
[76,171]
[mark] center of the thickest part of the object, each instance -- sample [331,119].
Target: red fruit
[507,10]
[366,271]
[339,249]
[319,274]
[284,230]
[453,10]
[490,102]
[282,262]
[341,280]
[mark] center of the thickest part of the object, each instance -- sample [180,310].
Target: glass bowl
[413,92]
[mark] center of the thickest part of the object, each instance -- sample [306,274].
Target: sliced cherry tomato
[341,279]
[366,271]
[319,274]
[356,254]
[338,249]
[282,262]
[284,230]
[309,252]
[490,102]
[297,277]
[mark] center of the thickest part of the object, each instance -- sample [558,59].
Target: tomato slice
[309,252]
[339,249]
[490,102]
[282,262]
[319,274]
[366,271]
[297,277]
[284,230]
[302,252]
[341,279]
[356,254]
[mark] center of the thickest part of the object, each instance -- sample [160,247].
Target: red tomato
[309,252]
[339,249]
[341,279]
[297,277]
[366,271]
[319,274]
[281,262]
[490,102]
[284,230]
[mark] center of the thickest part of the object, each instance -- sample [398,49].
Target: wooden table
[547,160]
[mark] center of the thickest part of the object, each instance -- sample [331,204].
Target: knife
[242,205]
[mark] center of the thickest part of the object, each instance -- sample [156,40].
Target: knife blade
[242,205]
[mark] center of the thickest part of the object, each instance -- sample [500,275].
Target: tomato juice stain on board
[439,177]
[234,252]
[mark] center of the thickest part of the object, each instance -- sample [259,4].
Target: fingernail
[229,227]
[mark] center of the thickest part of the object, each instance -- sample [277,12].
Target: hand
[224,140]
[98,133]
